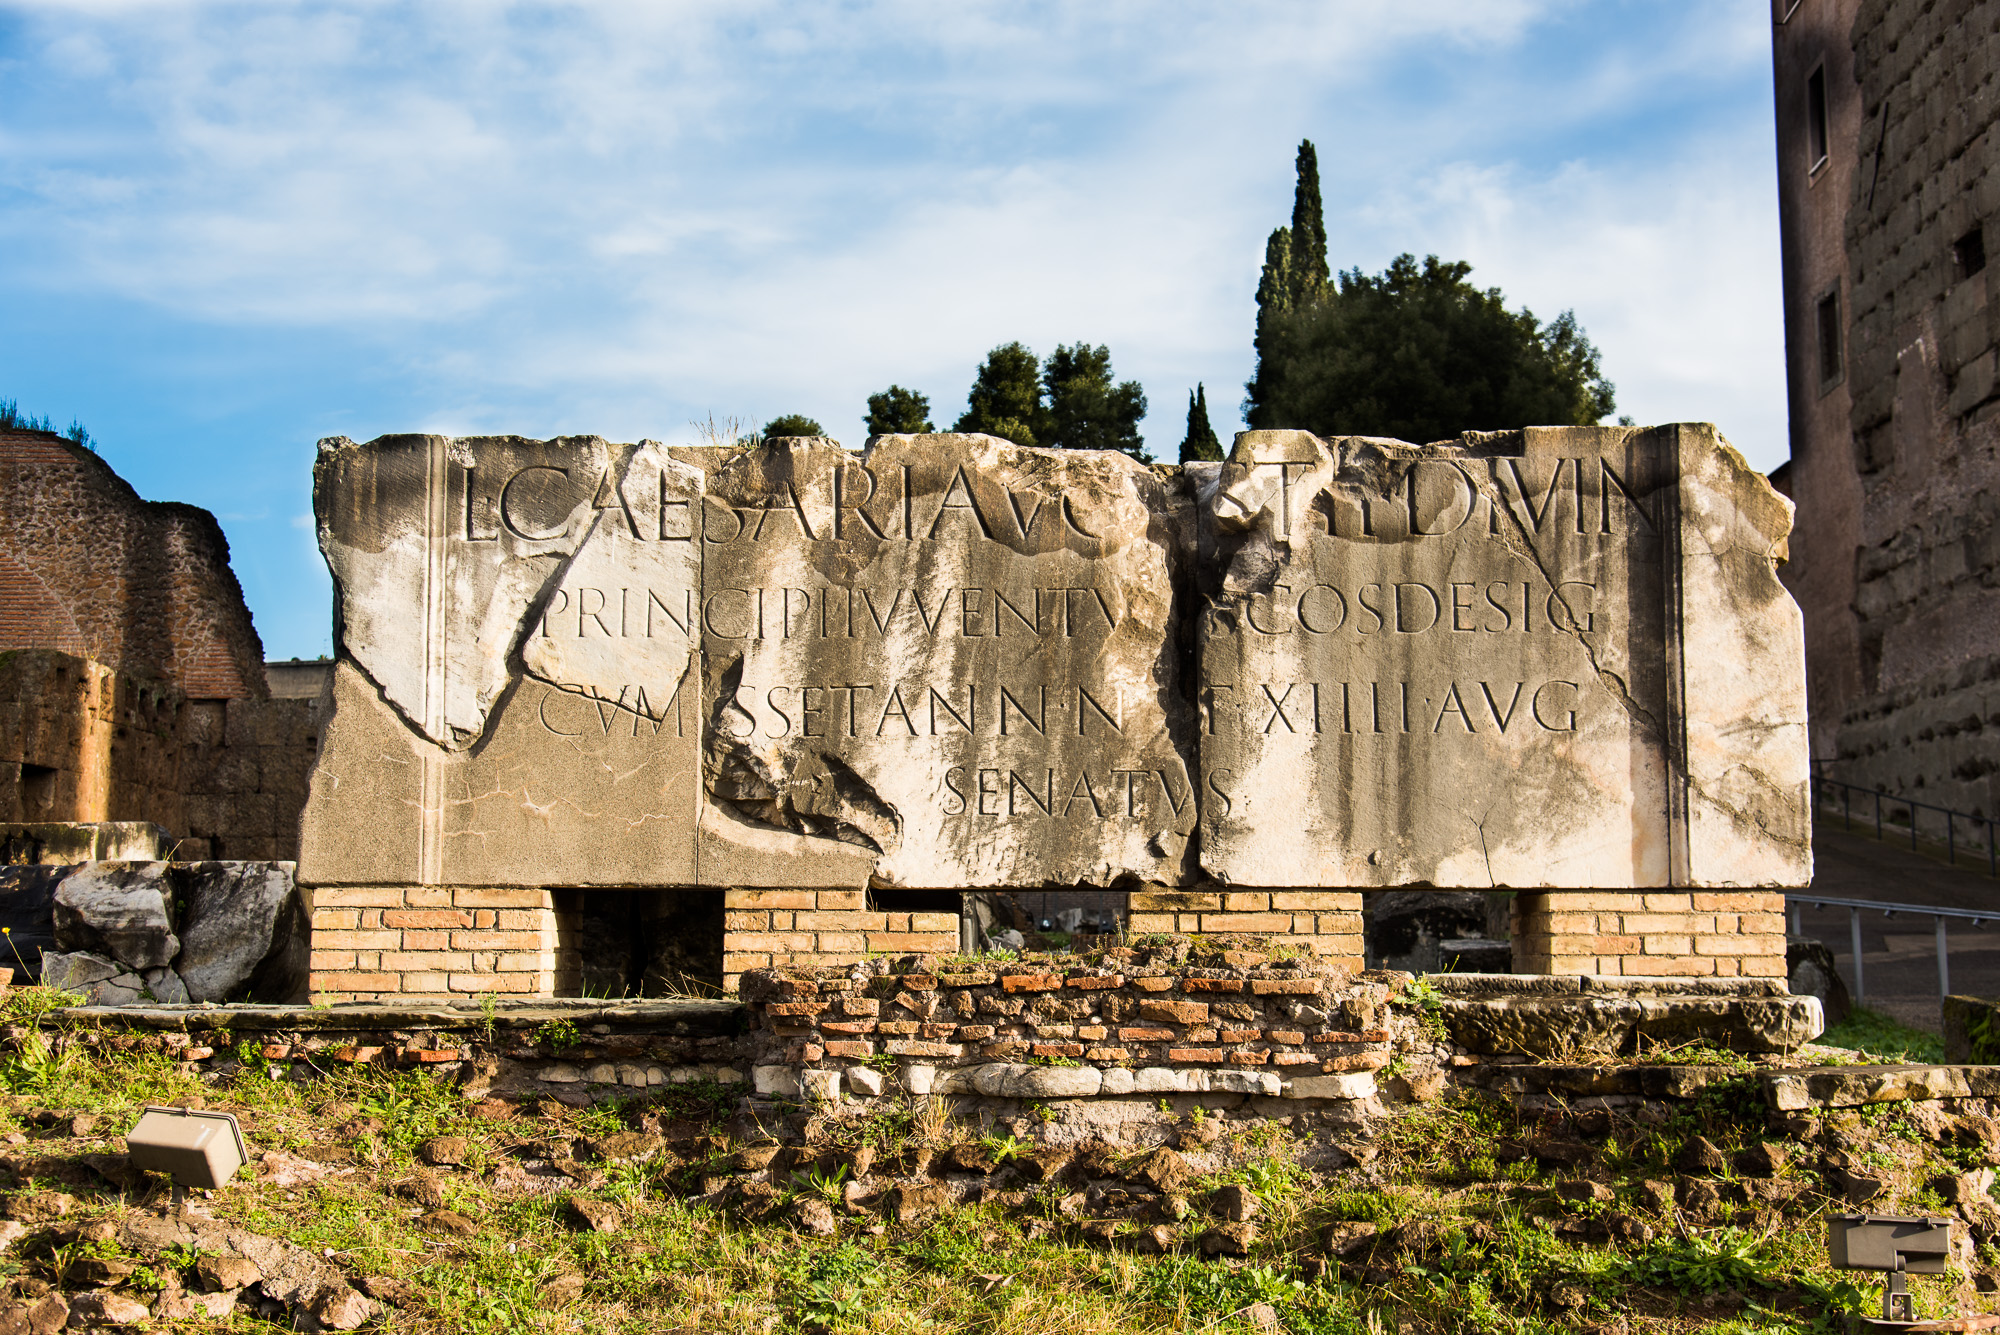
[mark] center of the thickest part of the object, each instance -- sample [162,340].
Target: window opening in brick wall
[1816,133]
[650,943]
[38,791]
[1968,255]
[1827,321]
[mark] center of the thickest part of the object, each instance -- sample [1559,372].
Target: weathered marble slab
[1558,657]
[509,702]
[953,652]
[944,663]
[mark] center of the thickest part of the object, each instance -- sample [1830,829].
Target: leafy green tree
[898,411]
[1417,353]
[1088,410]
[1006,398]
[793,424]
[1200,443]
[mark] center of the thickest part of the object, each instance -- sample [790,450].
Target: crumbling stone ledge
[1561,1016]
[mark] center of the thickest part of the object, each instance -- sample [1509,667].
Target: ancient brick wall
[1924,376]
[143,587]
[81,742]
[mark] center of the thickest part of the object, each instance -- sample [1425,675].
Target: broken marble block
[118,909]
[102,982]
[245,933]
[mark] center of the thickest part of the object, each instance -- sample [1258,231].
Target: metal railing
[1795,904]
[1822,790]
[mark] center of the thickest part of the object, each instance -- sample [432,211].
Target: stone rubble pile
[127,933]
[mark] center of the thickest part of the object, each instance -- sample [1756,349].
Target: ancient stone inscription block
[1558,657]
[950,652]
[516,701]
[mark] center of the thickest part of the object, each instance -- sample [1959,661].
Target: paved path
[1899,955]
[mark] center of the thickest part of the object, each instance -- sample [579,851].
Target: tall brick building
[132,682]
[1889,179]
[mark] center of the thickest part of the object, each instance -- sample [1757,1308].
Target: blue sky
[229,230]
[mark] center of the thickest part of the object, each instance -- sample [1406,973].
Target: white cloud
[619,216]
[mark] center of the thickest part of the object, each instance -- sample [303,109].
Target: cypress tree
[1309,272]
[1200,444]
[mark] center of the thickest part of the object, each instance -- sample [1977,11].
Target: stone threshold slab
[678,1017]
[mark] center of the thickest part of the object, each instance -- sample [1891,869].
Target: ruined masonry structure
[838,689]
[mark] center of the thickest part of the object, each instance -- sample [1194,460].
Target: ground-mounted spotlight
[1896,1245]
[194,1148]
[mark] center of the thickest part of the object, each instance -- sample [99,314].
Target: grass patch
[1883,1038]
[1471,1229]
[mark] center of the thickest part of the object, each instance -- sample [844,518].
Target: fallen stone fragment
[422,1190]
[45,1316]
[106,1309]
[1229,1240]
[39,1207]
[1348,1237]
[1700,1155]
[176,1305]
[1166,1171]
[910,1202]
[594,1216]
[753,1158]
[120,910]
[1234,1203]
[1861,1188]
[399,1292]
[1964,1188]
[282,1170]
[1764,1159]
[450,1221]
[245,933]
[624,1146]
[443,1151]
[1583,1189]
[11,1232]
[816,1217]
[116,1169]
[1656,1196]
[218,1273]
[101,1273]
[1625,1228]
[340,1308]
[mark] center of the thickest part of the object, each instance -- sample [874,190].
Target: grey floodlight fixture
[1897,1245]
[193,1147]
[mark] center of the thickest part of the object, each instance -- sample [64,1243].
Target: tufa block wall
[80,741]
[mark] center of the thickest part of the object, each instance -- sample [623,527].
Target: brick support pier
[1325,922]
[1690,933]
[376,942]
[762,928]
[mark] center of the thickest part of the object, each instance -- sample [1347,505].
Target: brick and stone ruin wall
[801,701]
[132,682]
